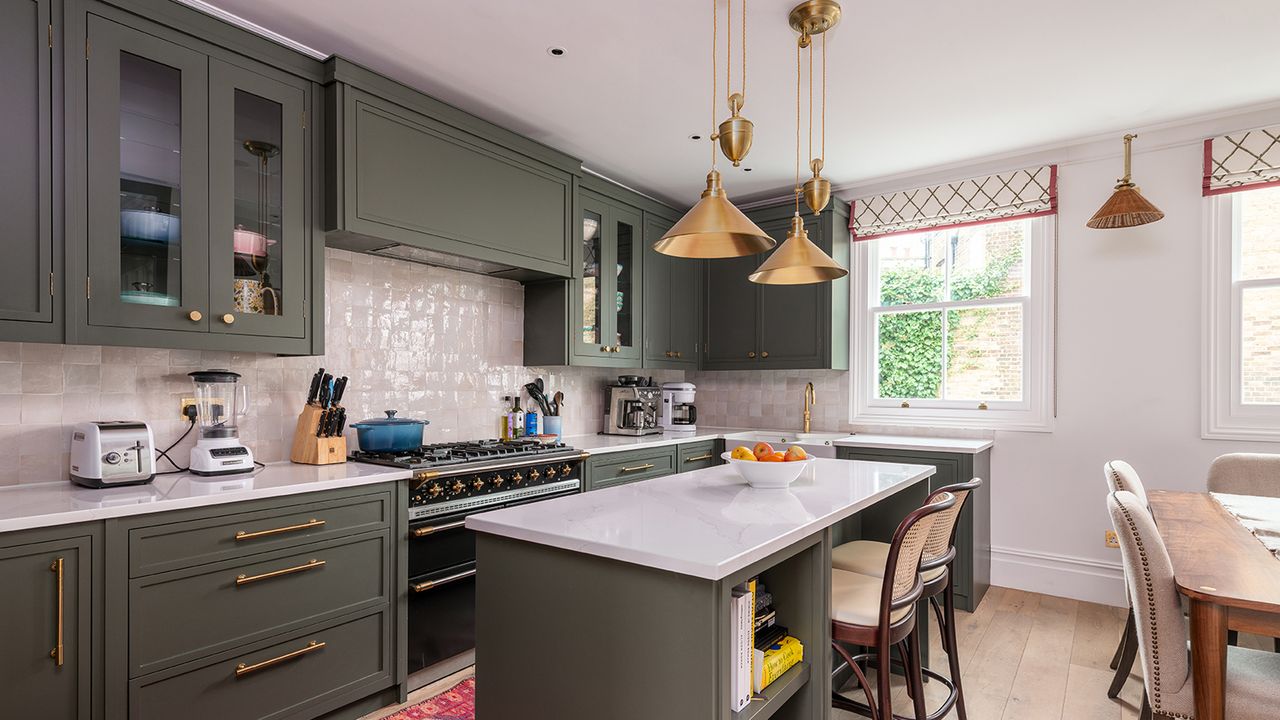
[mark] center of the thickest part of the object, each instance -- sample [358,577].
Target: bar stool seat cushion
[869,557]
[855,599]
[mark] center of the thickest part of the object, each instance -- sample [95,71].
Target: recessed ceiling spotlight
[746,169]
[695,136]
[556,51]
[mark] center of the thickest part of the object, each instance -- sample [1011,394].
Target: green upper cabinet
[29,308]
[754,326]
[672,300]
[412,177]
[197,224]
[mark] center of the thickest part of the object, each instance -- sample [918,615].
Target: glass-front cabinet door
[589,334]
[625,309]
[256,221]
[147,118]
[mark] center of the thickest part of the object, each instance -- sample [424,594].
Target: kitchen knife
[326,390]
[323,424]
[339,422]
[339,387]
[315,387]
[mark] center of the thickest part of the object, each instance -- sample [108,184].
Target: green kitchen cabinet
[30,307]
[47,618]
[971,570]
[414,178]
[753,326]
[191,218]
[672,303]
[699,455]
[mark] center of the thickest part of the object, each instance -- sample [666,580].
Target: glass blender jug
[220,402]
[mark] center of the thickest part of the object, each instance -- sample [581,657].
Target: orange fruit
[774,457]
[762,449]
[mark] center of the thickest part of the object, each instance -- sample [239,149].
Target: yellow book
[770,664]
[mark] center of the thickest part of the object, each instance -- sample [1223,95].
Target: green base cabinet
[409,176]
[972,566]
[749,326]
[48,585]
[621,468]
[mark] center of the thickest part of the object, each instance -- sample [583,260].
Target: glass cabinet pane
[150,182]
[258,241]
[592,279]
[624,301]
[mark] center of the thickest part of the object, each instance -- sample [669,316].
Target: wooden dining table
[1230,578]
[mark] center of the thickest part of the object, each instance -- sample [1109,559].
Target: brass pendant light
[714,227]
[1126,207]
[799,261]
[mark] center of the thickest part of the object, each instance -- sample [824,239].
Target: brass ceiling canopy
[714,228]
[1126,207]
[798,261]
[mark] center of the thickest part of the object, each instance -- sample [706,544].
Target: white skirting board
[1059,575]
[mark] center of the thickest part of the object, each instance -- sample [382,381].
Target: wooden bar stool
[879,613]
[868,557]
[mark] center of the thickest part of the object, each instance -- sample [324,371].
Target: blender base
[220,456]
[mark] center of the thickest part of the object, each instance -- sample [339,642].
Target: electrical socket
[186,403]
[1112,540]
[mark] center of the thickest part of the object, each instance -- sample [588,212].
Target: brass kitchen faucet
[810,398]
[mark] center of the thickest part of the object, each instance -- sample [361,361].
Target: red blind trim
[1241,161]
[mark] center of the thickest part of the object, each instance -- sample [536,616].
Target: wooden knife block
[311,450]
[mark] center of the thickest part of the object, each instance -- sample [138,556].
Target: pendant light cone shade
[798,261]
[1126,207]
[714,228]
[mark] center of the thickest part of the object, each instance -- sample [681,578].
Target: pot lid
[390,419]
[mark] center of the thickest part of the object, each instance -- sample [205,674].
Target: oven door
[442,591]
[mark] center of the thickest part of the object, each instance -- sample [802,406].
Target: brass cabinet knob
[679,354]
[617,348]
[228,318]
[604,348]
[670,354]
[764,354]
[195,316]
[751,354]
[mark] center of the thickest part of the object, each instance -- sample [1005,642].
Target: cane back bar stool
[868,558]
[879,613]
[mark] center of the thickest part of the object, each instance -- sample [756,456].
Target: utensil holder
[552,425]
[311,450]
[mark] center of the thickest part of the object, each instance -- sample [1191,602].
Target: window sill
[979,420]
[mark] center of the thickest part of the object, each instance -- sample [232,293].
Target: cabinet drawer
[187,614]
[622,468]
[305,673]
[697,455]
[195,539]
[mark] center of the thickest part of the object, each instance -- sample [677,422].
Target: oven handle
[425,530]
[431,584]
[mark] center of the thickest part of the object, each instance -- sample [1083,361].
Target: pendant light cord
[715,38]
[743,92]
[797,187]
[811,99]
[824,99]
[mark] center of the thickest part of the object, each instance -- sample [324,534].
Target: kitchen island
[615,603]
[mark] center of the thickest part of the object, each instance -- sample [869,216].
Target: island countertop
[706,523]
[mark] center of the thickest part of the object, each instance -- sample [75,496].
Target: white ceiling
[912,84]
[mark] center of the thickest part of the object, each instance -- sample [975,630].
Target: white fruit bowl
[767,474]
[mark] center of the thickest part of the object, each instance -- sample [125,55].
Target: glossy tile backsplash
[429,342]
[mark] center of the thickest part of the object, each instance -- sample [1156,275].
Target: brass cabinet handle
[433,529]
[764,354]
[312,523]
[637,468]
[228,318]
[242,669]
[246,579]
[57,652]
[429,584]
[751,354]
[195,316]
[696,458]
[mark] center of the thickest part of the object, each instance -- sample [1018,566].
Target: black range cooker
[451,481]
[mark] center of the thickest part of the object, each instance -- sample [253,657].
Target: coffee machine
[631,407]
[678,411]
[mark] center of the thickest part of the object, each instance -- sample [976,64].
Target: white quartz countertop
[63,503]
[706,523]
[601,444]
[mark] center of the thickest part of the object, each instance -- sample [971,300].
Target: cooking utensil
[248,242]
[536,393]
[556,402]
[389,434]
[314,393]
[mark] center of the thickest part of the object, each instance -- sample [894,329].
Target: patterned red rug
[456,703]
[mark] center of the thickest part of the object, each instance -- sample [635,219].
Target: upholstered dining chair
[868,557]
[1120,475]
[879,613]
[1245,474]
[1252,685]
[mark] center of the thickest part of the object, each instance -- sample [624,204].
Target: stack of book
[762,648]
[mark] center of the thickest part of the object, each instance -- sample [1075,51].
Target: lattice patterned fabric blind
[1019,193]
[1242,161]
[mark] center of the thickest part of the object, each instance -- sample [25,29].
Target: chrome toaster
[117,452]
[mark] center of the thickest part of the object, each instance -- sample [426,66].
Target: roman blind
[1242,161]
[1003,196]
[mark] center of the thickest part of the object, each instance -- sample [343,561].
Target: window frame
[1225,416]
[1033,413]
